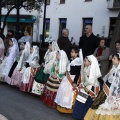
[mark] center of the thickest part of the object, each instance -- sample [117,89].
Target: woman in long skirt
[11,58]
[89,87]
[67,91]
[109,105]
[17,75]
[44,72]
[57,73]
[28,77]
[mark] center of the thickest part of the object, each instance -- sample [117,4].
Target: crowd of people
[77,80]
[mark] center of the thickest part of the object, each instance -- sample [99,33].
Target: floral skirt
[37,88]
[91,115]
[48,98]
[27,87]
[16,78]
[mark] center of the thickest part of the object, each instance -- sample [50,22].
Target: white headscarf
[26,75]
[14,49]
[54,48]
[34,64]
[3,47]
[111,106]
[24,56]
[63,62]
[35,55]
[81,56]
[94,70]
[11,57]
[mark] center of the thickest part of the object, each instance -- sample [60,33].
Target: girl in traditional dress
[44,72]
[2,48]
[89,87]
[110,109]
[16,76]
[27,83]
[28,76]
[17,60]
[11,58]
[68,87]
[57,73]
[50,57]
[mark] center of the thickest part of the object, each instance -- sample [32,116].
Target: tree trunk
[0,14]
[116,34]
[6,16]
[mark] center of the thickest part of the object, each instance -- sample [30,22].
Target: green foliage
[26,4]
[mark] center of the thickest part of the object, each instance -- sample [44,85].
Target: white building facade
[74,14]
[71,14]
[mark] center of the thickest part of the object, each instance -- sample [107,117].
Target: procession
[73,80]
[52,70]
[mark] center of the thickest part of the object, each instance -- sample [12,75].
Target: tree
[28,5]
[116,34]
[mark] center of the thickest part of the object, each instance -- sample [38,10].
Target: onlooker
[1,34]
[88,42]
[64,42]
[9,35]
[102,54]
[26,37]
[116,50]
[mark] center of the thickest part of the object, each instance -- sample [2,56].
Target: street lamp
[18,14]
[43,32]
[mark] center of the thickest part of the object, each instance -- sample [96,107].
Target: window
[63,22]
[48,2]
[112,26]
[87,21]
[62,1]
[47,27]
[116,3]
[23,27]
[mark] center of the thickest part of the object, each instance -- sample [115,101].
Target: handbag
[82,96]
[41,77]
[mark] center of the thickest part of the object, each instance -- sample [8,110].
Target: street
[16,105]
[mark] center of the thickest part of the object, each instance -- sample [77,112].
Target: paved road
[16,105]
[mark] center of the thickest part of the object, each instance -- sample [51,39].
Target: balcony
[113,4]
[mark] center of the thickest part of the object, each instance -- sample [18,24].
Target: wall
[74,12]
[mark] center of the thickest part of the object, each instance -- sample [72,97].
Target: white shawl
[14,51]
[24,56]
[111,106]
[54,48]
[26,75]
[63,62]
[94,71]
[34,55]
[50,57]
[3,47]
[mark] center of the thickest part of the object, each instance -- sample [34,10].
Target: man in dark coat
[64,42]
[88,42]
